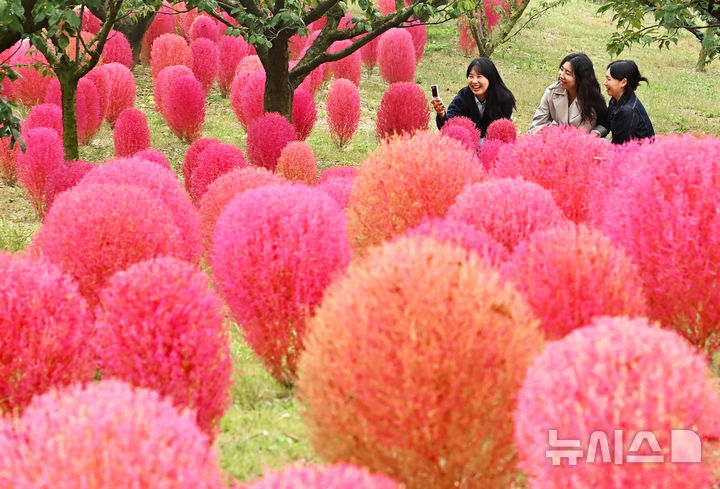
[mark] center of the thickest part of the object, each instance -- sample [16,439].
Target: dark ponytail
[626,68]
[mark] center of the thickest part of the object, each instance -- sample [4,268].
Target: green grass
[263,428]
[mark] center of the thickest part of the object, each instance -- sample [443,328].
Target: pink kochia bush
[185,108]
[266,138]
[275,249]
[87,107]
[404,109]
[104,435]
[232,49]
[121,90]
[169,50]
[92,231]
[318,477]
[131,133]
[155,156]
[159,326]
[43,154]
[390,376]
[44,115]
[559,158]
[163,82]
[467,124]
[396,56]
[204,26]
[304,113]
[460,133]
[215,160]
[297,162]
[117,50]
[190,161]
[349,67]
[338,188]
[618,374]
[65,177]
[664,213]
[343,110]
[164,185]
[246,97]
[405,180]
[508,209]
[502,129]
[45,325]
[339,171]
[572,273]
[8,160]
[205,61]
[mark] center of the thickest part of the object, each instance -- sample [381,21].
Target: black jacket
[464,105]
[628,119]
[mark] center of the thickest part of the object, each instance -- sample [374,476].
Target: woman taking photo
[574,99]
[628,118]
[484,100]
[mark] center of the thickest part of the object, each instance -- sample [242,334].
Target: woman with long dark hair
[574,99]
[627,115]
[484,100]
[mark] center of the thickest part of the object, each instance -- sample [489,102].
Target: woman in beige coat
[574,99]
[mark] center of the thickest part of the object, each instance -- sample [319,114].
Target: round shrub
[304,113]
[617,374]
[571,273]
[8,160]
[297,162]
[92,231]
[232,49]
[405,180]
[314,477]
[169,50]
[99,78]
[368,53]
[459,133]
[185,108]
[105,435]
[266,138]
[489,152]
[184,21]
[458,233]
[131,133]
[343,110]
[163,23]
[559,158]
[403,110]
[249,63]
[65,177]
[205,27]
[164,81]
[117,50]
[29,89]
[87,108]
[44,115]
[467,124]
[349,67]
[214,161]
[338,171]
[508,209]
[419,35]
[90,23]
[390,376]
[247,97]
[221,191]
[205,61]
[155,156]
[164,185]
[275,249]
[191,158]
[121,90]
[45,325]
[664,213]
[338,188]
[44,153]
[396,56]
[297,45]
[159,326]
[502,129]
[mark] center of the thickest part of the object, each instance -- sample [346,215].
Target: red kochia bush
[205,61]
[155,156]
[246,97]
[396,56]
[90,23]
[169,50]
[159,326]
[65,177]
[92,231]
[502,129]
[44,153]
[44,115]
[131,133]
[214,161]
[30,88]
[403,110]
[343,110]
[204,26]
[163,82]
[104,435]
[191,158]
[8,160]
[297,162]
[275,249]
[618,374]
[368,53]
[304,113]
[121,90]
[45,325]
[339,171]
[664,213]
[418,32]
[570,274]
[315,477]
[459,133]
[163,23]
[467,124]
[390,373]
[488,153]
[406,180]
[224,188]
[117,50]
[559,158]
[87,107]
[99,78]
[185,108]
[338,188]
[164,185]
[508,209]
[266,138]
[349,67]
[232,49]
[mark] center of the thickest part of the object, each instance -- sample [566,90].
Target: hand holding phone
[434,92]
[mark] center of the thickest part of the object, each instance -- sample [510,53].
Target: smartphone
[434,91]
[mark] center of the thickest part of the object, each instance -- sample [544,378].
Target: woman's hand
[439,107]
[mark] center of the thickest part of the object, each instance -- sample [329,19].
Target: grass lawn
[263,428]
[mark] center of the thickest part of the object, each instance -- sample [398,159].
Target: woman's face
[566,76]
[615,88]
[478,84]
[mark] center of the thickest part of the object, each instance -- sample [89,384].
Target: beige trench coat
[554,107]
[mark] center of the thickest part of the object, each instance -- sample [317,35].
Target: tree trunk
[278,91]
[68,87]
[702,60]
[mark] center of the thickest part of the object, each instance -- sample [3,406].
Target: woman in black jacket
[484,100]
[628,118]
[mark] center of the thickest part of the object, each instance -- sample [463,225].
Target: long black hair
[626,68]
[590,99]
[496,91]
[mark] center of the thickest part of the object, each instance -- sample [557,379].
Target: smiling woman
[484,100]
